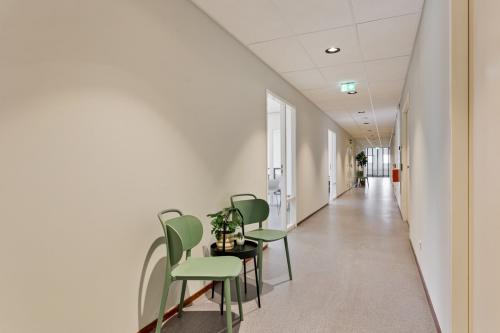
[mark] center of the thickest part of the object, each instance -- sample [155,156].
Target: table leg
[213,288]
[222,298]
[256,281]
[245,274]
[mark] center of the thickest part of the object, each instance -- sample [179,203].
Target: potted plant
[362,162]
[224,224]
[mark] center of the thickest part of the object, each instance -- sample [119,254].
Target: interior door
[281,163]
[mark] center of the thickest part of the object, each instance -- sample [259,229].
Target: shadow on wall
[148,301]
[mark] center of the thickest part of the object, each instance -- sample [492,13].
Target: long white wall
[427,91]
[485,208]
[110,111]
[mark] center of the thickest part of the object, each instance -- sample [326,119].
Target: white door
[332,164]
[405,165]
[281,163]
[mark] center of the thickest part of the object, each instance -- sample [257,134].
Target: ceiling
[375,37]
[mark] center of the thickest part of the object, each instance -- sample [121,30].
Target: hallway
[353,272]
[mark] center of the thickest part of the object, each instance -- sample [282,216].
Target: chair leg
[229,314]
[181,303]
[256,281]
[163,301]
[260,259]
[288,258]
[238,294]
[245,275]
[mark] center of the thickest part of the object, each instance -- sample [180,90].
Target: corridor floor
[353,272]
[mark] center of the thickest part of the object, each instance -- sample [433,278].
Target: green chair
[256,210]
[182,233]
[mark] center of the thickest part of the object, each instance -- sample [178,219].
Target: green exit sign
[348,87]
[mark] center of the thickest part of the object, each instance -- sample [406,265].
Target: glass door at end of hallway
[378,162]
[281,191]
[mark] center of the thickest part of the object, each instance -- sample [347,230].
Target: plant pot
[240,241]
[229,242]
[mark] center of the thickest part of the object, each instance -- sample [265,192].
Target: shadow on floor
[200,321]
[251,294]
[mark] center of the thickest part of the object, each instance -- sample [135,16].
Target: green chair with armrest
[255,210]
[183,233]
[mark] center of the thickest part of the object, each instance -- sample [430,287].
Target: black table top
[248,250]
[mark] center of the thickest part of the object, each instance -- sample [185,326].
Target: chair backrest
[182,233]
[253,210]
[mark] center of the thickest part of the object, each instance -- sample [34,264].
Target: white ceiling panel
[249,21]
[308,79]
[386,93]
[354,72]
[284,55]
[315,15]
[388,38]
[369,10]
[387,69]
[376,38]
[344,38]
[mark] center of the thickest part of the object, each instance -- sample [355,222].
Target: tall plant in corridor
[362,161]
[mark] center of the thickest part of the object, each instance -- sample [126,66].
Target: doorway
[405,164]
[332,165]
[281,165]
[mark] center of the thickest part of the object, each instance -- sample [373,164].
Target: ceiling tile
[386,94]
[369,10]
[354,72]
[314,15]
[284,55]
[249,21]
[388,38]
[387,69]
[345,38]
[308,79]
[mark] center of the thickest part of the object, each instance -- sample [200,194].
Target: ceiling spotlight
[366,123]
[361,111]
[352,92]
[332,50]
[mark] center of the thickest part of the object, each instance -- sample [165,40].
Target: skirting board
[173,311]
[320,208]
[436,322]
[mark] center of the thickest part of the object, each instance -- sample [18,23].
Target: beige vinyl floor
[353,272]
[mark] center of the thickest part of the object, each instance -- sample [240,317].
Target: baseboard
[320,208]
[173,311]
[434,317]
[341,194]
[310,215]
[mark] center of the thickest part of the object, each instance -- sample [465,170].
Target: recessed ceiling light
[361,111]
[332,50]
[352,92]
[366,123]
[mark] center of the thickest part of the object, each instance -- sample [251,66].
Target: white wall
[429,134]
[485,208]
[110,111]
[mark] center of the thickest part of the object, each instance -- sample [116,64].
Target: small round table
[245,251]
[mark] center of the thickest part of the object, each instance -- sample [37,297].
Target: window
[378,162]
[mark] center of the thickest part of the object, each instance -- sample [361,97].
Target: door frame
[292,201]
[405,162]
[332,162]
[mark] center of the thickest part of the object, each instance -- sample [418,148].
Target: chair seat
[208,268]
[267,235]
